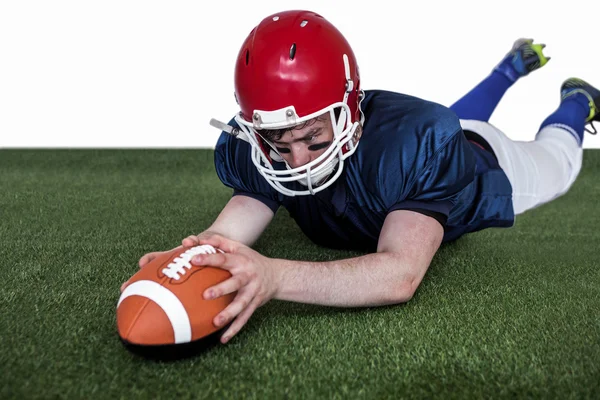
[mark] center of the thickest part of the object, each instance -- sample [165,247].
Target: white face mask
[317,174]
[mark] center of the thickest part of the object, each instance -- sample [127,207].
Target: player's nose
[299,158]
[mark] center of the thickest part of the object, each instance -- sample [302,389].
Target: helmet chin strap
[314,180]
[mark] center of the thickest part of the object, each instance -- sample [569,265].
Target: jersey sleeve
[436,190]
[236,170]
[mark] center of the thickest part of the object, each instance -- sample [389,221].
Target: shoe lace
[594,131]
[181,263]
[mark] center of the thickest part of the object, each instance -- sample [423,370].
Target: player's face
[298,147]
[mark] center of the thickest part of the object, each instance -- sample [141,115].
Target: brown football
[163,303]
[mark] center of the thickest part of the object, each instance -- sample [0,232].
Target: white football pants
[539,170]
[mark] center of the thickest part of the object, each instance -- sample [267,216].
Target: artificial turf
[501,313]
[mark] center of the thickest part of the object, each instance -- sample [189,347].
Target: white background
[152,73]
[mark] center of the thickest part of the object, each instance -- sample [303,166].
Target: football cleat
[523,58]
[575,85]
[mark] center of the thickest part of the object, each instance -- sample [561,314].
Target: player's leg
[579,106]
[544,169]
[481,101]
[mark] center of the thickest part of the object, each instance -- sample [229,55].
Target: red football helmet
[292,67]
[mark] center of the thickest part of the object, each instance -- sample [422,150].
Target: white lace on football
[181,264]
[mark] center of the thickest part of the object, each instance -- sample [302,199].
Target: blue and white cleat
[523,58]
[575,85]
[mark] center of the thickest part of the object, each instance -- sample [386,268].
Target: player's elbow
[403,291]
[406,284]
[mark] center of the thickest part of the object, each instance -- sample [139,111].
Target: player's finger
[241,301]
[221,242]
[151,256]
[220,260]
[240,321]
[146,258]
[190,241]
[230,285]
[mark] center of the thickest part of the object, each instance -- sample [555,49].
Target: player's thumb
[190,241]
[146,258]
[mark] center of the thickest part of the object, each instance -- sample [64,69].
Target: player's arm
[407,243]
[406,246]
[243,219]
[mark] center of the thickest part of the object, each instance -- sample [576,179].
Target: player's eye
[319,146]
[282,150]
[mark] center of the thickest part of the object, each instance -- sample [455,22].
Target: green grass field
[502,313]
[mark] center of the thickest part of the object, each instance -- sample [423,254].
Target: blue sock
[481,101]
[571,113]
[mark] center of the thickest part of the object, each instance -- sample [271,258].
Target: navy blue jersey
[412,155]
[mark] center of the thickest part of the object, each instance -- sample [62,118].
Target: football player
[383,172]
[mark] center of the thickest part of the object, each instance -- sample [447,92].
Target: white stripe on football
[169,303]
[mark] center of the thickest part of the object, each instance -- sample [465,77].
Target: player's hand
[189,241]
[254,277]
[146,258]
